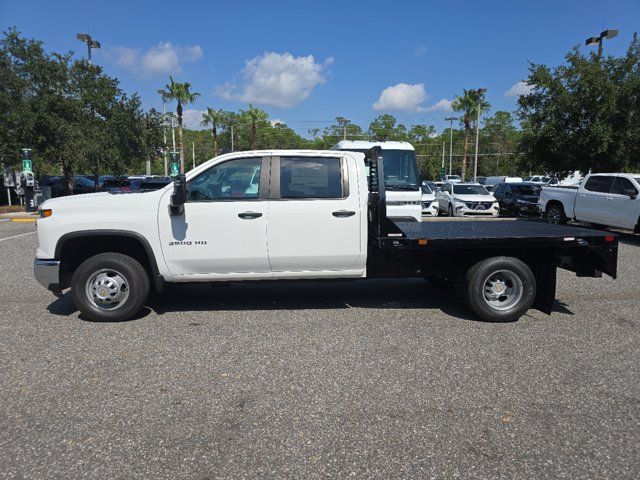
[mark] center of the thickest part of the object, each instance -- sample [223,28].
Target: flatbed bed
[457,233]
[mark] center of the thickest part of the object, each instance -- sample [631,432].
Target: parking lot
[387,379]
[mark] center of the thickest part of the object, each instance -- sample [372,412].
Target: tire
[450,211]
[555,215]
[509,273]
[120,283]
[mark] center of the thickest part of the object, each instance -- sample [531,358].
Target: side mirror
[179,195]
[631,193]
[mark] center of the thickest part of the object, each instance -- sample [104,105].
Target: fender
[157,277]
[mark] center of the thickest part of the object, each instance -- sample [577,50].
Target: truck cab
[404,196]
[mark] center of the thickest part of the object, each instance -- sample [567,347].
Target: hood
[428,197]
[474,198]
[102,202]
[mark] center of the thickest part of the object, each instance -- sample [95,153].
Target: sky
[306,63]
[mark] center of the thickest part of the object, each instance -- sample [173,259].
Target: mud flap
[545,274]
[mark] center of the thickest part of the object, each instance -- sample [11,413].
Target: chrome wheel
[107,289]
[502,290]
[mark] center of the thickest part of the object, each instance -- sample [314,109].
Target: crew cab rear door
[316,217]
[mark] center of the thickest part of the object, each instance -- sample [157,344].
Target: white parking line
[16,236]
[5,219]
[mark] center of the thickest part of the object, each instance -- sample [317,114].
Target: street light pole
[91,43]
[480,92]
[608,34]
[163,94]
[450,119]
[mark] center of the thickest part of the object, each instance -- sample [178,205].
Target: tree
[73,116]
[255,117]
[501,134]
[182,94]
[468,104]
[215,118]
[383,128]
[584,114]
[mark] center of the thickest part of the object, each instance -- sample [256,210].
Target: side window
[599,184]
[621,185]
[311,177]
[233,180]
[500,190]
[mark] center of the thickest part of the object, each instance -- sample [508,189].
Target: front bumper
[47,273]
[529,209]
[464,211]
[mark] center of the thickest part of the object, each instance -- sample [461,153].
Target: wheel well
[551,203]
[73,251]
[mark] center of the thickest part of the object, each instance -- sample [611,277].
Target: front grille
[479,205]
[402,202]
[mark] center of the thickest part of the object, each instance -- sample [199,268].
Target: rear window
[116,183]
[599,184]
[305,177]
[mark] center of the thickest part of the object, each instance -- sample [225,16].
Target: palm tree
[181,93]
[468,105]
[255,115]
[215,118]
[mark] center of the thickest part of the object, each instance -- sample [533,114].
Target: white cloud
[518,89]
[276,121]
[192,118]
[402,97]
[420,50]
[277,79]
[162,59]
[443,105]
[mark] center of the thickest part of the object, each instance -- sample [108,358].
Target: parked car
[120,184]
[467,200]
[480,180]
[429,202]
[153,183]
[56,185]
[518,199]
[602,199]
[452,178]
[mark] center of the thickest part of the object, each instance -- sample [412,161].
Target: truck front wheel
[500,289]
[109,287]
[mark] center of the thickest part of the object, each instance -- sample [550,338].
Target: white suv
[467,200]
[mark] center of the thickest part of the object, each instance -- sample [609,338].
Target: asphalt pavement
[374,379]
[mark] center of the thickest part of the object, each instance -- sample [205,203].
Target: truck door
[591,198]
[315,226]
[223,230]
[622,209]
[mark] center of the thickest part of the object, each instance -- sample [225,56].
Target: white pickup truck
[602,199]
[294,215]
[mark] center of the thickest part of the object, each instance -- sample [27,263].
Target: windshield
[399,169]
[426,189]
[525,189]
[470,190]
[453,177]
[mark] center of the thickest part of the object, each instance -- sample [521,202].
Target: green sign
[175,169]
[442,172]
[27,166]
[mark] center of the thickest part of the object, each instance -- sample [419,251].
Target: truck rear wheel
[500,289]
[555,215]
[109,287]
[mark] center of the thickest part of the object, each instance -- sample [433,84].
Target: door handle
[249,215]
[343,213]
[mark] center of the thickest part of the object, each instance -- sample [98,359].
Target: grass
[11,209]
